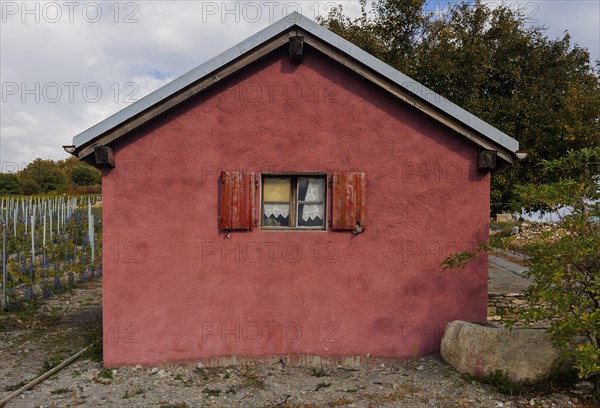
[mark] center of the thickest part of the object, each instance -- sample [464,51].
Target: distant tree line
[69,176]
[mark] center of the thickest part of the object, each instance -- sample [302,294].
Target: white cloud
[61,73]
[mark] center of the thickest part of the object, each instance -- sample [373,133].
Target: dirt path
[506,276]
[31,342]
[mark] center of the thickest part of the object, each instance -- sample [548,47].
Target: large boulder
[524,355]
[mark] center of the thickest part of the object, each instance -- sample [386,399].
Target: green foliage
[499,380]
[80,173]
[62,260]
[9,184]
[41,176]
[105,373]
[135,392]
[543,92]
[51,362]
[565,271]
[95,352]
[322,385]
[461,259]
[47,176]
[60,391]
[86,176]
[212,392]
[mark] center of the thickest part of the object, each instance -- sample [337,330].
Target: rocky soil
[31,342]
[526,233]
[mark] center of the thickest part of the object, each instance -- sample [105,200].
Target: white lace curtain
[314,192]
[276,210]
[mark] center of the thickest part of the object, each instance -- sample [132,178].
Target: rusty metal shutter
[236,207]
[349,208]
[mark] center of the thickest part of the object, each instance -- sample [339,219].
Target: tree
[80,173]
[69,176]
[565,270]
[41,176]
[86,175]
[9,184]
[543,92]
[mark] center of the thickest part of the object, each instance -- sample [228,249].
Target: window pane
[276,214]
[311,215]
[276,189]
[311,189]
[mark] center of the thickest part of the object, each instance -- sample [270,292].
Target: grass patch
[16,386]
[60,391]
[105,373]
[499,380]
[319,372]
[137,391]
[186,383]
[202,373]
[94,353]
[252,380]
[23,308]
[51,362]
[211,392]
[557,381]
[322,385]
[94,337]
[28,315]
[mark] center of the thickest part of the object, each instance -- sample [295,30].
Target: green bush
[565,271]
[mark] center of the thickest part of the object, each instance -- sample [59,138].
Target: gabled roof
[271,38]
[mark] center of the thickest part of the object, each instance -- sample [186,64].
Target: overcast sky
[64,66]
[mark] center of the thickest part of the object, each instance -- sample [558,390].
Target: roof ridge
[263,36]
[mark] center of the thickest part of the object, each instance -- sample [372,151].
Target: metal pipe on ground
[42,377]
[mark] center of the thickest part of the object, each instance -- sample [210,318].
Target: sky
[67,65]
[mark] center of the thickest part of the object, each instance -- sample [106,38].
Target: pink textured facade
[176,288]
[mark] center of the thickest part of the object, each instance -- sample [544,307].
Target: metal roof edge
[183,81]
[333,40]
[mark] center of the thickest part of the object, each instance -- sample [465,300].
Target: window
[292,202]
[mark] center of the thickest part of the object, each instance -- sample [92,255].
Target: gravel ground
[32,342]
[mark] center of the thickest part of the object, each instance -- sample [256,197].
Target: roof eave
[492,136]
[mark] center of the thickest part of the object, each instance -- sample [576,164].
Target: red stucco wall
[176,289]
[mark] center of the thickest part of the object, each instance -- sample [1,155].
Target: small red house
[291,197]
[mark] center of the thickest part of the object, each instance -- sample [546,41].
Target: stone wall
[501,306]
